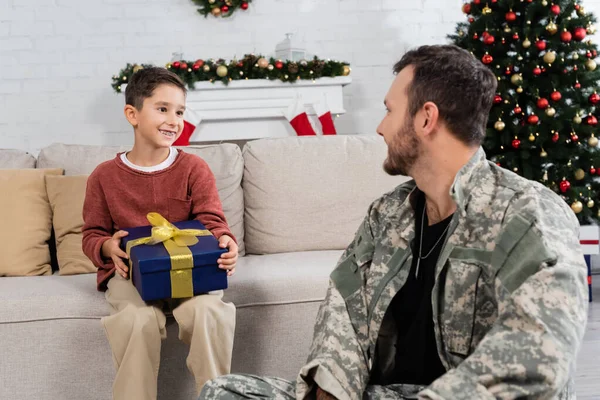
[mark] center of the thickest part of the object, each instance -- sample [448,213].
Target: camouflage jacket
[509,301]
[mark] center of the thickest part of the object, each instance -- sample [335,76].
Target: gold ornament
[590,65]
[270,67]
[531,137]
[550,111]
[520,58]
[222,71]
[575,56]
[517,79]
[229,3]
[136,68]
[543,154]
[499,125]
[486,10]
[346,70]
[581,12]
[591,29]
[551,28]
[216,11]
[211,1]
[550,57]
[590,203]
[579,174]
[507,29]
[544,3]
[577,207]
[526,43]
[593,141]
[519,89]
[263,63]
[206,68]
[577,119]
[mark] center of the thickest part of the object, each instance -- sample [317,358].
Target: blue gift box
[151,267]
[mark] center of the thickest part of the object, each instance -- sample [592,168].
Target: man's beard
[403,151]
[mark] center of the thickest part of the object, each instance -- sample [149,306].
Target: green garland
[223,8]
[250,67]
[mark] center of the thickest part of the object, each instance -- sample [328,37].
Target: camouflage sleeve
[336,362]
[542,306]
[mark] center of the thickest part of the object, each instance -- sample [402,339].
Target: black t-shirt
[417,359]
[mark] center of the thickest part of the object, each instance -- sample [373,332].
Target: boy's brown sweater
[119,197]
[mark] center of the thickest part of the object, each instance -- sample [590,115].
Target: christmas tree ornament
[489,39]
[475,36]
[564,185]
[550,111]
[593,141]
[511,16]
[244,6]
[594,98]
[517,109]
[579,34]
[497,99]
[574,137]
[515,36]
[516,143]
[543,154]
[531,137]
[555,96]
[591,120]
[486,10]
[526,43]
[555,9]
[541,45]
[466,8]
[222,71]
[577,119]
[542,103]
[517,79]
[575,56]
[566,36]
[555,137]
[346,71]
[544,3]
[499,125]
[533,119]
[216,11]
[551,28]
[592,170]
[550,57]
[263,63]
[519,90]
[487,59]
[225,9]
[579,174]
[507,29]
[471,20]
[577,207]
[590,65]
[270,67]
[581,11]
[206,68]
[537,71]
[591,29]
[577,85]
[279,64]
[590,203]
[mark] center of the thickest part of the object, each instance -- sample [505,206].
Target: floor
[587,378]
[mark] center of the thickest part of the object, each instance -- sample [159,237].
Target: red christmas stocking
[191,120]
[296,114]
[324,114]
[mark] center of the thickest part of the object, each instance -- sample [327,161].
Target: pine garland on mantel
[221,8]
[250,67]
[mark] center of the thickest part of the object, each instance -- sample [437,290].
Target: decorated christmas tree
[544,122]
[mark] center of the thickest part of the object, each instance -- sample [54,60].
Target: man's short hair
[143,83]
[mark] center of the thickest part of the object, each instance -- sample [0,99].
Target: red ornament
[244,6]
[537,71]
[577,7]
[579,34]
[556,96]
[466,8]
[555,137]
[199,63]
[196,67]
[542,103]
[575,137]
[225,9]
[503,41]
[555,9]
[533,119]
[516,143]
[511,16]
[497,99]
[487,59]
[516,36]
[575,68]
[594,53]
[594,98]
[591,120]
[176,64]
[494,1]
[541,45]
[471,20]
[517,110]
[279,65]
[593,171]
[577,85]
[588,54]
[475,36]
[240,64]
[566,36]
[489,39]
[565,186]
[183,66]
[477,2]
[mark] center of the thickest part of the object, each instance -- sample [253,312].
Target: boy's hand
[228,260]
[111,249]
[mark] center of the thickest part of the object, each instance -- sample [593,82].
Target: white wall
[57,57]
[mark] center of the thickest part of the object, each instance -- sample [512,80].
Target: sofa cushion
[27,222]
[10,159]
[310,193]
[225,161]
[66,195]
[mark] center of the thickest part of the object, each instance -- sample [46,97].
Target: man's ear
[431,115]
[131,114]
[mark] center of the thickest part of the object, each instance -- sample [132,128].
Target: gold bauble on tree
[550,111]
[517,79]
[486,10]
[507,29]
[222,71]
[531,137]
[346,70]
[551,28]
[526,43]
[543,154]
[581,11]
[579,174]
[550,57]
[590,65]
[206,68]
[519,89]
[593,141]
[499,125]
[590,203]
[216,11]
[577,207]
[544,3]
[591,29]
[577,119]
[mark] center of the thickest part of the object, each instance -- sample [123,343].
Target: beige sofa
[294,205]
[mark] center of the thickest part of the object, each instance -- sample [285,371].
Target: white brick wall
[57,56]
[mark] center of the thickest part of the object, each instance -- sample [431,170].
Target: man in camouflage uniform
[506,304]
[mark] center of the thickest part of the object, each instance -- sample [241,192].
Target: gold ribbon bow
[176,242]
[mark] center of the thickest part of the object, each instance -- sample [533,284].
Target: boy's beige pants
[135,330]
